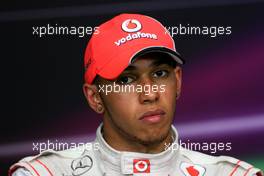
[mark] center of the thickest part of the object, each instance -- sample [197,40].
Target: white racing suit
[102,160]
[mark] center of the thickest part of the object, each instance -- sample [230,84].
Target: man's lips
[152,116]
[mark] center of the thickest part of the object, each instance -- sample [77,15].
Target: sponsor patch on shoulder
[192,169]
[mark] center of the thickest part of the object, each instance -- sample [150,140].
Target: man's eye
[160,73]
[124,80]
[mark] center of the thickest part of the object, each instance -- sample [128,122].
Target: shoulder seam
[41,163]
[32,168]
[235,168]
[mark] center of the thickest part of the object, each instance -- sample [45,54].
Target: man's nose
[149,92]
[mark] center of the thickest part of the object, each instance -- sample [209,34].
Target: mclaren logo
[81,165]
[131,25]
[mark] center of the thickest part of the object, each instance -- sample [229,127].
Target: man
[133,78]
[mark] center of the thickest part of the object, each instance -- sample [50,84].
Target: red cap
[122,39]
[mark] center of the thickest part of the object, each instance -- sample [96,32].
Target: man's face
[145,114]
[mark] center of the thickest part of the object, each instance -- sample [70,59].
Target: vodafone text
[135,36]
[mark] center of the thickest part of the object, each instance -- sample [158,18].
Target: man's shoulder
[49,162]
[225,165]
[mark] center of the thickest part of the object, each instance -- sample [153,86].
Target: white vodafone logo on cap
[131,25]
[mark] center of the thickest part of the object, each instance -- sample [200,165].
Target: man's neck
[122,143]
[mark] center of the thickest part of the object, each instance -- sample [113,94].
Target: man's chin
[153,139]
[150,142]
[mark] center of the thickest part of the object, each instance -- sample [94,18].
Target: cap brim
[175,55]
[117,65]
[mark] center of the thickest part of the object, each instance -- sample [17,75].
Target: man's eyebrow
[160,62]
[130,68]
[155,63]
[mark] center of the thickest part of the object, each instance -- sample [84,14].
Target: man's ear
[93,97]
[178,74]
